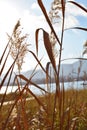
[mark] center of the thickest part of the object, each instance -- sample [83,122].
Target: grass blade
[48,47]
[36,39]
[6,75]
[4,63]
[28,90]
[78,5]
[80,28]
[74,59]
[38,61]
[3,53]
[7,120]
[8,72]
[30,82]
[37,99]
[48,20]
[6,87]
[47,72]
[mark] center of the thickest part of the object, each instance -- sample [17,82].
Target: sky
[32,18]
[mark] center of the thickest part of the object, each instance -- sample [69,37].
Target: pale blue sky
[32,18]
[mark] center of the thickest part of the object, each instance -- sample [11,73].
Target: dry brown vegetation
[62,110]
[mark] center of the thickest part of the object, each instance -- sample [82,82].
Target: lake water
[52,87]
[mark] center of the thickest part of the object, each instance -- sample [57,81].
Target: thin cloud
[71,21]
[35,6]
[8,15]
[74,10]
[8,18]
[32,22]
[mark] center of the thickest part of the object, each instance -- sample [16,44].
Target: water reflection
[50,87]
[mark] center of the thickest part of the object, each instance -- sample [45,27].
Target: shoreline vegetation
[60,110]
[68,73]
[32,106]
[41,82]
[10,97]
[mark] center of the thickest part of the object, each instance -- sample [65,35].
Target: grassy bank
[73,114]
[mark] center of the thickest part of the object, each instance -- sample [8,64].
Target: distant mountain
[7,78]
[76,71]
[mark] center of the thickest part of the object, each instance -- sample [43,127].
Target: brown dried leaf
[48,20]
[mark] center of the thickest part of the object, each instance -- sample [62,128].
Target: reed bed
[60,110]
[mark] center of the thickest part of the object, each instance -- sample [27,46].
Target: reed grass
[61,110]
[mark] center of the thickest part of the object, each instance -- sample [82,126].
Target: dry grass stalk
[18,45]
